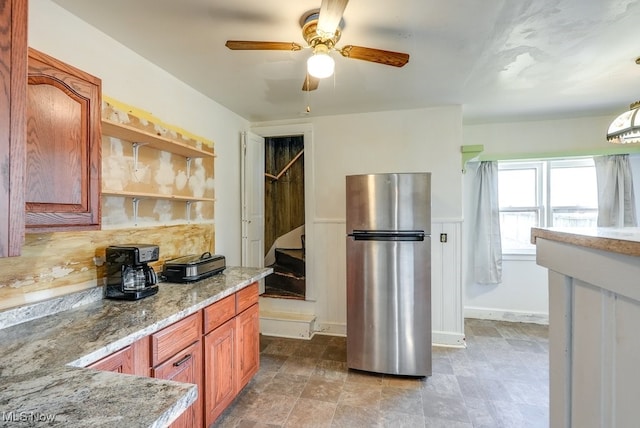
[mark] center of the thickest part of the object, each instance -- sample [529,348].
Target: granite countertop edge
[42,361]
[621,240]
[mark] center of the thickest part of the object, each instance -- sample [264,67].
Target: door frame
[306,130]
[248,210]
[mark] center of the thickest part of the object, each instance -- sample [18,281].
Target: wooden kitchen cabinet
[13,91]
[120,362]
[132,359]
[231,348]
[170,340]
[64,141]
[217,348]
[219,370]
[176,354]
[247,345]
[185,366]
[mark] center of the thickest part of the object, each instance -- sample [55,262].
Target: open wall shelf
[137,136]
[146,195]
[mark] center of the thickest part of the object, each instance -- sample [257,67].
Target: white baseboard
[304,326]
[449,339]
[287,324]
[331,329]
[503,315]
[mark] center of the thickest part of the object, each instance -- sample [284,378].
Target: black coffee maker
[129,277]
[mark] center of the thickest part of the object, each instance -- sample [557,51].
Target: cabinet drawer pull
[182,360]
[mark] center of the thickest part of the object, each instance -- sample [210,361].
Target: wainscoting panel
[447,319]
[328,283]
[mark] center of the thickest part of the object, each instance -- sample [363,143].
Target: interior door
[252,200]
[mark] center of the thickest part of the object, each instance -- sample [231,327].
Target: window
[560,193]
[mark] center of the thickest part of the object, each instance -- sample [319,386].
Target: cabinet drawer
[120,362]
[171,340]
[218,313]
[247,297]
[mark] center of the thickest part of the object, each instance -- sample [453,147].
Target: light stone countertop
[41,374]
[621,240]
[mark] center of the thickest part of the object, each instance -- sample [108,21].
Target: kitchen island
[42,361]
[594,314]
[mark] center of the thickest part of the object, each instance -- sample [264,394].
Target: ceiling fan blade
[262,46]
[396,59]
[330,15]
[310,83]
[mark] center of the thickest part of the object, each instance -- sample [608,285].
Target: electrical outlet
[443,237]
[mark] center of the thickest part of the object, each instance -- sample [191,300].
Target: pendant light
[626,127]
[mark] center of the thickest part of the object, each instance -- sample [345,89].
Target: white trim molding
[506,315]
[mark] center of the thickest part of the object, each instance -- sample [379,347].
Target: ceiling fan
[321,29]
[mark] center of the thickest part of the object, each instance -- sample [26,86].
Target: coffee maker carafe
[129,277]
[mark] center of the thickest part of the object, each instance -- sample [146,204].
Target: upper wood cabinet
[13,89]
[62,180]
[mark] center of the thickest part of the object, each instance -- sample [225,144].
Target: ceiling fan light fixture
[626,127]
[320,64]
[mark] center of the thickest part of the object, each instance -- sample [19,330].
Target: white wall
[131,79]
[523,294]
[398,141]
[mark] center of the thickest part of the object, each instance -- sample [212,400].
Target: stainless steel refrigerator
[389,273]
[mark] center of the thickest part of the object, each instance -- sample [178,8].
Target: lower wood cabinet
[219,370]
[247,345]
[120,362]
[185,366]
[218,349]
[176,354]
[133,359]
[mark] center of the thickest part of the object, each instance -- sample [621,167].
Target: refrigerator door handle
[388,236]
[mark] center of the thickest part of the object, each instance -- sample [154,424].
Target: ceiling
[499,59]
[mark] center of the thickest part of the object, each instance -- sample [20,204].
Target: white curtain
[487,246]
[616,204]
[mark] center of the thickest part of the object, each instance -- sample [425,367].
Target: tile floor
[499,380]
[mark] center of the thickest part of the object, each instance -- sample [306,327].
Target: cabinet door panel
[55,147]
[219,380]
[185,366]
[247,346]
[62,181]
